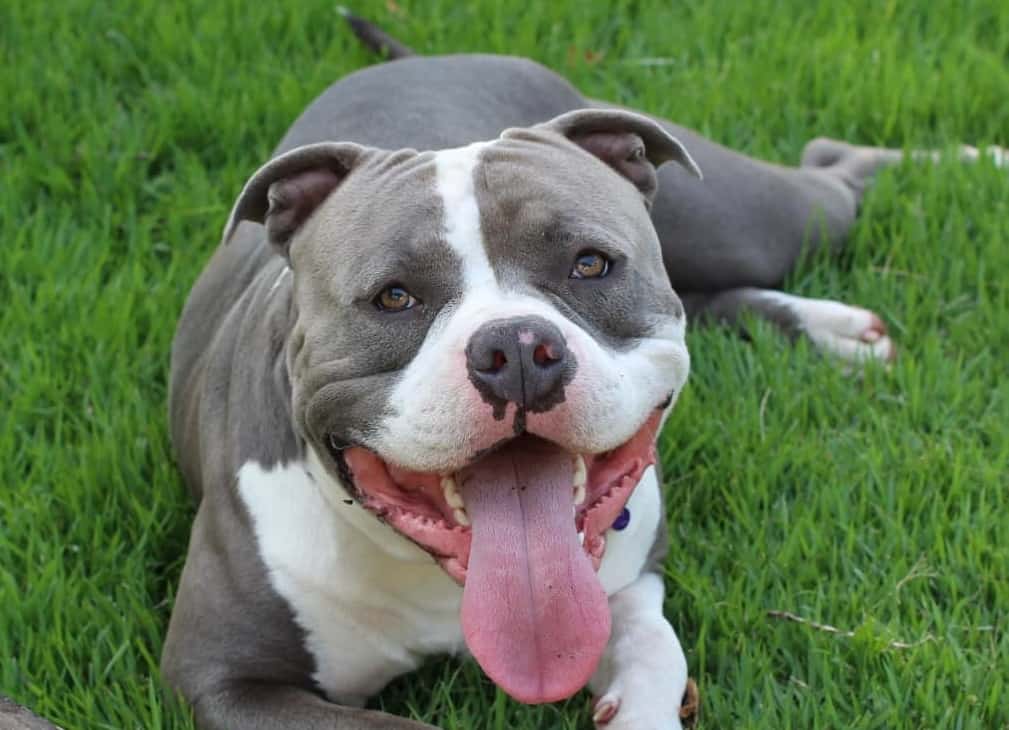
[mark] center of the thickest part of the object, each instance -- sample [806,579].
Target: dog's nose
[523,360]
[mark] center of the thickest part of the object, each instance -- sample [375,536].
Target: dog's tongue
[533,611]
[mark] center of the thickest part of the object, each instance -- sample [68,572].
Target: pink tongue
[533,611]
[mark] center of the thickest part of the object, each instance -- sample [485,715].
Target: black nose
[523,360]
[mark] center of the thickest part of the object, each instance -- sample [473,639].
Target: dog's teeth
[581,473]
[579,479]
[581,538]
[451,494]
[461,517]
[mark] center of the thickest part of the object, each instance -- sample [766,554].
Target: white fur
[999,156]
[644,670]
[373,604]
[454,169]
[837,329]
[627,549]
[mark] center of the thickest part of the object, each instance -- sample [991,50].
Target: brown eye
[394,299]
[590,265]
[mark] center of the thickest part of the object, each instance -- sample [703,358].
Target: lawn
[875,504]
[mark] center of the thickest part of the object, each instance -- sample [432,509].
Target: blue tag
[622,520]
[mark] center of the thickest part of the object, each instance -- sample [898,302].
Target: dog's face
[485,343]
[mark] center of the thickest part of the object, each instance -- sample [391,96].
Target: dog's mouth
[523,529]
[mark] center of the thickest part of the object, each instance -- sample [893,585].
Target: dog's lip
[336,446]
[427,510]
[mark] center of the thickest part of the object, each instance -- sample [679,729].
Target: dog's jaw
[430,509]
[522,528]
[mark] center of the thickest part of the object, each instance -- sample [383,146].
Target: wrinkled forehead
[500,202]
[387,207]
[542,184]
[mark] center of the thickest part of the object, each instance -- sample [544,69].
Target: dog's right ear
[631,144]
[284,192]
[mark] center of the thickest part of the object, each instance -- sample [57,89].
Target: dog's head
[485,344]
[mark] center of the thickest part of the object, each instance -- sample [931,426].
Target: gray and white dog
[416,393]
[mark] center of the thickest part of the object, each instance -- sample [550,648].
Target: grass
[876,504]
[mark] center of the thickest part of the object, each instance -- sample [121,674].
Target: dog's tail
[375,38]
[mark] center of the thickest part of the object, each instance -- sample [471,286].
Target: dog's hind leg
[847,332]
[852,334]
[749,223]
[856,165]
[732,238]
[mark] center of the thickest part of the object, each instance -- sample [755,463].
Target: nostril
[544,355]
[497,362]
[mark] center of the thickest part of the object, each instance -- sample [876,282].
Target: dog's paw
[852,334]
[605,709]
[609,713]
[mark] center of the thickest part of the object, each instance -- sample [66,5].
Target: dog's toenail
[605,711]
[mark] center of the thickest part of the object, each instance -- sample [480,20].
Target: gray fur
[730,307]
[431,103]
[234,320]
[748,222]
[343,353]
[262,200]
[15,717]
[780,212]
[587,208]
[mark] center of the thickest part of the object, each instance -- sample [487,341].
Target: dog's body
[441,328]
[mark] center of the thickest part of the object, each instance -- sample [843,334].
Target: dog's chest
[368,615]
[371,603]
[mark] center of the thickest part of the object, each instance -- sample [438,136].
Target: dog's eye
[395,299]
[590,265]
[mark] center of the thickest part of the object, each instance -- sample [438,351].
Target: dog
[415,392]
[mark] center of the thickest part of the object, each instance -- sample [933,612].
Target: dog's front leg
[641,680]
[254,705]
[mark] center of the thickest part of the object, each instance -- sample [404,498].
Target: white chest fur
[372,604]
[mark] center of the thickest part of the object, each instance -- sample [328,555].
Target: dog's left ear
[632,144]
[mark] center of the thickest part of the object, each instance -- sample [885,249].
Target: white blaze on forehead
[455,169]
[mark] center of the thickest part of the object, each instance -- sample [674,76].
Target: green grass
[875,504]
